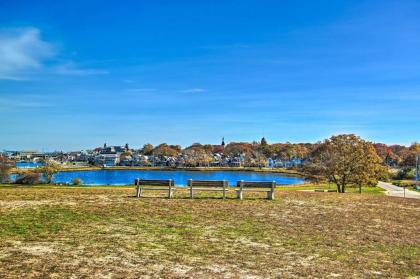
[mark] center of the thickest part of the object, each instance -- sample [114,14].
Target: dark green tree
[264,142]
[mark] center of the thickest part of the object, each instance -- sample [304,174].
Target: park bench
[208,185]
[325,190]
[255,186]
[154,185]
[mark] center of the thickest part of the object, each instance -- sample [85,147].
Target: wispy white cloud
[24,53]
[14,103]
[141,90]
[71,68]
[193,90]
[22,50]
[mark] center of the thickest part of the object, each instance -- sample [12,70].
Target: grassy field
[103,232]
[312,187]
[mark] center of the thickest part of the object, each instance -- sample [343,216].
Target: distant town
[235,154]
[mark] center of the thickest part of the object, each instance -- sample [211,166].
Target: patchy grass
[297,187]
[325,186]
[102,232]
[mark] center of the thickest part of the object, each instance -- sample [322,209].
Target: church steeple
[223,141]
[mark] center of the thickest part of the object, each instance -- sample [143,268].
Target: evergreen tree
[264,142]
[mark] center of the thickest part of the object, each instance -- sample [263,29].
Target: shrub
[48,170]
[28,178]
[5,169]
[404,183]
[405,173]
[77,181]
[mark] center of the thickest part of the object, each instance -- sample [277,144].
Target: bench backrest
[154,182]
[207,183]
[256,184]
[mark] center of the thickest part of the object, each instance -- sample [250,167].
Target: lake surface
[180,177]
[28,165]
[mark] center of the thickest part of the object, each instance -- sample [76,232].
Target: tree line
[390,155]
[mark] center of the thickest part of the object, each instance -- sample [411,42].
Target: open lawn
[73,232]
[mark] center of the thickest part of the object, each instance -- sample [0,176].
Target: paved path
[396,191]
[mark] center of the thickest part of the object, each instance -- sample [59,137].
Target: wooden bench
[157,185]
[208,185]
[256,186]
[325,190]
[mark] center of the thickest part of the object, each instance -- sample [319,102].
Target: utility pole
[404,189]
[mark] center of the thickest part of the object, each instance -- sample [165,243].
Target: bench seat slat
[252,184]
[155,182]
[252,190]
[155,188]
[210,189]
[207,183]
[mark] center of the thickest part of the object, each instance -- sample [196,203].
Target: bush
[77,181]
[48,170]
[5,169]
[405,183]
[28,178]
[405,173]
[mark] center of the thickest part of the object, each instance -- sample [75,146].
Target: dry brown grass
[106,233]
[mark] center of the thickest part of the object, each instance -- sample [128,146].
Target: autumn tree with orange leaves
[347,160]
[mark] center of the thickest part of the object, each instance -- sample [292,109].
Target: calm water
[124,177]
[28,165]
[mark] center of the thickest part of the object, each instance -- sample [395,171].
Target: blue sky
[74,75]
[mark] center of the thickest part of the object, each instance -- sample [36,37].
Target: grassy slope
[103,231]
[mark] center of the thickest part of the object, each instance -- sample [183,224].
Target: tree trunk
[338,187]
[336,183]
[343,184]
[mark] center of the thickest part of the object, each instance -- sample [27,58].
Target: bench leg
[270,195]
[239,195]
[224,194]
[138,192]
[191,193]
[170,194]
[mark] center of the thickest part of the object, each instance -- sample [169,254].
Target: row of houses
[109,156]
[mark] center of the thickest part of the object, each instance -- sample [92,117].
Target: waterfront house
[107,160]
